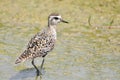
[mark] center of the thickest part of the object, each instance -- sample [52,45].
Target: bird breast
[53,33]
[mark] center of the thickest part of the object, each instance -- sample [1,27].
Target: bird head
[55,18]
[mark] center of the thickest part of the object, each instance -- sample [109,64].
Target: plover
[42,43]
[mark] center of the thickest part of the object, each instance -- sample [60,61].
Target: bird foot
[38,73]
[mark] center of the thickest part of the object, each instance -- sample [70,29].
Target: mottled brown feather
[39,45]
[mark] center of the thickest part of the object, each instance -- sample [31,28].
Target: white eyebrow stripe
[51,17]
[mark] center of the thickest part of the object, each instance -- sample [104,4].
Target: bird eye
[56,18]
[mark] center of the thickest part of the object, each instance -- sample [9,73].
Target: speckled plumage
[39,45]
[42,42]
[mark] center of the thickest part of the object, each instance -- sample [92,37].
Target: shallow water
[84,50]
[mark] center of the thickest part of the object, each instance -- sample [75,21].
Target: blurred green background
[88,48]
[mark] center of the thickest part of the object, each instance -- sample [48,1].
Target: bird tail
[23,57]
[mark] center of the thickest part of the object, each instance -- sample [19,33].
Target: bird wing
[38,46]
[41,42]
[32,49]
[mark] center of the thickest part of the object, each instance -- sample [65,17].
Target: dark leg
[42,63]
[37,70]
[43,60]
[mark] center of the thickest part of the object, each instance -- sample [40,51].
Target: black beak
[64,21]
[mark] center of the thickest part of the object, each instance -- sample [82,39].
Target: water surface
[88,48]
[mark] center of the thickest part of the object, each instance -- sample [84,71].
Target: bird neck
[51,25]
[52,31]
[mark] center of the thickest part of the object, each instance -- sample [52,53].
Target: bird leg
[37,70]
[42,63]
[43,60]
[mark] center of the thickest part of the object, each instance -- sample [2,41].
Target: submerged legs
[37,70]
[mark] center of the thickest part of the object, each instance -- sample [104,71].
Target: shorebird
[42,43]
